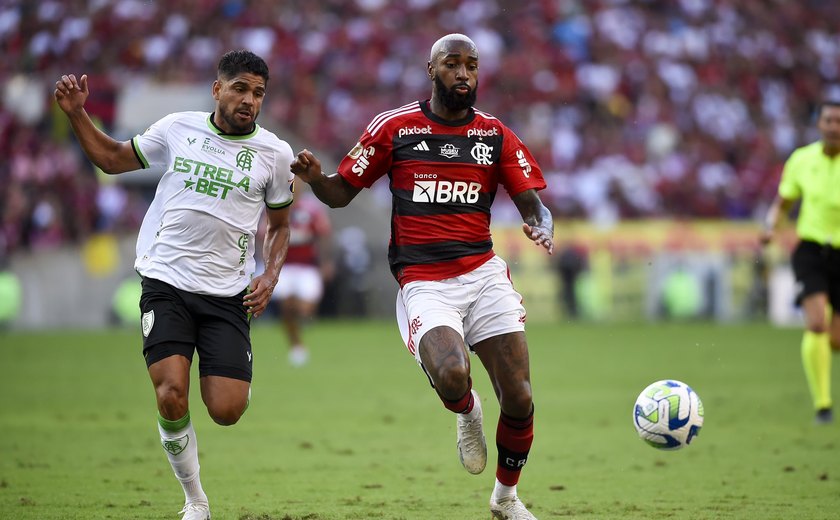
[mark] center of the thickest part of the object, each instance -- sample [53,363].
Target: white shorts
[299,280]
[478,305]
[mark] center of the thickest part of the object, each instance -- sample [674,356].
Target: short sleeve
[280,188]
[519,170]
[150,146]
[369,160]
[789,187]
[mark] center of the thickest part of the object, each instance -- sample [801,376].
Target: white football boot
[195,511]
[298,356]
[472,448]
[510,508]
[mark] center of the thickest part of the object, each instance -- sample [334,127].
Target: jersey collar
[424,106]
[233,137]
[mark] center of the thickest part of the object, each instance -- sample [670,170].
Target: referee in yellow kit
[812,176]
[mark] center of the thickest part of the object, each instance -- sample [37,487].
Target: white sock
[501,491]
[476,406]
[182,450]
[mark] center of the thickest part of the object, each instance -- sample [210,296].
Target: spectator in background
[309,263]
[572,261]
[639,109]
[351,285]
[811,176]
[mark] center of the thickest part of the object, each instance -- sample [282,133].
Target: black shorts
[176,322]
[817,269]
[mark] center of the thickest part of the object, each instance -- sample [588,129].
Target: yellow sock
[816,360]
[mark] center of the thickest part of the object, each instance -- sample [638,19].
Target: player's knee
[518,401]
[452,379]
[225,415]
[172,400]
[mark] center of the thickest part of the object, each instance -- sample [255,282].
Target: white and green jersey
[198,234]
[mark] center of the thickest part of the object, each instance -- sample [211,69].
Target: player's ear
[217,87]
[430,69]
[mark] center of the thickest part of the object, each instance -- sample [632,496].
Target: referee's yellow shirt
[814,177]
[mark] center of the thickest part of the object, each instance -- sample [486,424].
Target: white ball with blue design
[668,414]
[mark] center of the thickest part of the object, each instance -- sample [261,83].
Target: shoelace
[471,434]
[514,505]
[192,506]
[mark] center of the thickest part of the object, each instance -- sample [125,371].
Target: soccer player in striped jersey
[308,264]
[445,161]
[812,175]
[195,249]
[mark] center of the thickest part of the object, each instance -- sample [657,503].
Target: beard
[236,127]
[452,100]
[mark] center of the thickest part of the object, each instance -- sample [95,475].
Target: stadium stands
[634,108]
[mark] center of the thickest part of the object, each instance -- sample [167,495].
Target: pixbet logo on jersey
[446,191]
[414,130]
[480,132]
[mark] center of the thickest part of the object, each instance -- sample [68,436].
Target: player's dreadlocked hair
[237,62]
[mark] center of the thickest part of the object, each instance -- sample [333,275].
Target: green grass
[358,433]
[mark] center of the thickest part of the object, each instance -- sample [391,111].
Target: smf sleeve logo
[523,163]
[356,151]
[362,161]
[245,158]
[147,322]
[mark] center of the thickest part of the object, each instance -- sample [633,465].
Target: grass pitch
[358,433]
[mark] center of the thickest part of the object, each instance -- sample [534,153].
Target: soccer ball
[668,414]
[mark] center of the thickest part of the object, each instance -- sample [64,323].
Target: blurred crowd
[674,108]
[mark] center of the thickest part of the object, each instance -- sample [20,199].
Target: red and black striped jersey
[308,224]
[443,179]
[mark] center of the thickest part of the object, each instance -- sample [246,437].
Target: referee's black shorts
[176,322]
[817,269]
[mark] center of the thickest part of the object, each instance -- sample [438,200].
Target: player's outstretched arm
[110,155]
[538,223]
[332,190]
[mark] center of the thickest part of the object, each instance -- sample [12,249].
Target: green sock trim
[174,426]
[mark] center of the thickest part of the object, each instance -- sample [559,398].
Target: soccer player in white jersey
[195,249]
[445,161]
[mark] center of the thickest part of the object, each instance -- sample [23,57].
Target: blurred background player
[445,161]
[309,264]
[812,176]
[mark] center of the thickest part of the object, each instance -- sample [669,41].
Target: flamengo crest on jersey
[198,233]
[443,177]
